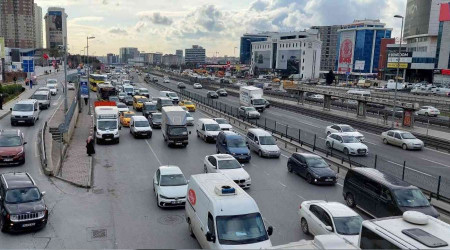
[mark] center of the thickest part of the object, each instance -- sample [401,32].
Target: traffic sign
[84,89]
[28,66]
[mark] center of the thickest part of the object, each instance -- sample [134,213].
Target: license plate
[144,134]
[8,159]
[328,179]
[21,121]
[28,225]
[107,139]
[176,202]
[178,143]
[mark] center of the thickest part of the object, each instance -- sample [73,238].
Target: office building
[291,53]
[359,46]
[179,53]
[55,27]
[127,53]
[195,55]
[170,60]
[329,37]
[38,31]
[245,51]
[112,58]
[17,23]
[155,58]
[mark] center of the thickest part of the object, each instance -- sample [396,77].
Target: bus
[95,79]
[105,90]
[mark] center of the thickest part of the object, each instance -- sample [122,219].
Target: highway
[389,158]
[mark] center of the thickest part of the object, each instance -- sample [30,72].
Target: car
[248,113]
[25,111]
[122,107]
[12,147]
[149,108]
[403,139]
[155,120]
[344,129]
[348,144]
[121,96]
[229,142]
[128,100]
[207,129]
[312,167]
[139,126]
[229,166]
[224,124]
[222,92]
[125,118]
[43,98]
[170,186]
[321,217]
[197,86]
[70,86]
[135,92]
[428,111]
[166,80]
[263,143]
[316,97]
[267,104]
[22,205]
[53,88]
[113,99]
[144,92]
[43,89]
[181,85]
[189,119]
[138,102]
[212,95]
[188,104]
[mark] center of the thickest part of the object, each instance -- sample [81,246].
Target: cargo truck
[106,122]
[250,96]
[173,126]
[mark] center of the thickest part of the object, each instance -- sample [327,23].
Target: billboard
[346,48]
[2,47]
[289,60]
[55,25]
[417,18]
[444,15]
[262,59]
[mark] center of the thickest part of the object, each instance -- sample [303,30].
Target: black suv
[21,204]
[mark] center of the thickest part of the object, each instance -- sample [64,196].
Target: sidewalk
[77,164]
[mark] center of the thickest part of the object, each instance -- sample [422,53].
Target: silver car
[249,113]
[263,143]
[347,144]
[403,139]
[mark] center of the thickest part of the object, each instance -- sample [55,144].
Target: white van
[263,143]
[221,215]
[139,126]
[169,94]
[25,111]
[43,98]
[208,129]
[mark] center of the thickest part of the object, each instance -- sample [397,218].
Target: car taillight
[300,207]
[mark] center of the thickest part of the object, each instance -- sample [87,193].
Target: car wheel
[191,231]
[350,200]
[22,161]
[328,133]
[426,114]
[346,151]
[289,167]
[157,200]
[328,144]
[304,225]
[260,153]
[309,179]
[385,141]
[404,146]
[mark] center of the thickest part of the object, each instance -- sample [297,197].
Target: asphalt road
[389,158]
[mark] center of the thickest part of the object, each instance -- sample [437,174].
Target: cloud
[157,18]
[118,31]
[259,5]
[90,19]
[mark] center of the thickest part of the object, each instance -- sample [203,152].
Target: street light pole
[89,69]
[398,70]
[65,75]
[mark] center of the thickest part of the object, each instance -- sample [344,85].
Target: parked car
[344,129]
[181,85]
[403,139]
[319,217]
[197,86]
[229,166]
[12,147]
[229,142]
[170,186]
[428,111]
[223,123]
[212,95]
[248,113]
[348,144]
[312,167]
[222,92]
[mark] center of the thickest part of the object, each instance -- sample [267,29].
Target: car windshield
[107,125]
[128,89]
[408,136]
[188,103]
[316,162]
[23,107]
[40,97]
[143,91]
[348,225]
[411,197]
[113,98]
[221,121]
[128,115]
[347,129]
[350,139]
[241,229]
[173,180]
[250,109]
[22,195]
[141,100]
[128,98]
[236,143]
[121,105]
[177,131]
[267,140]
[166,102]
[150,107]
[172,95]
[52,81]
[259,101]
[229,164]
[10,141]
[141,124]
[212,127]
[156,117]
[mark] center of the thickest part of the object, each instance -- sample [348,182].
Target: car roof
[341,134]
[336,209]
[18,180]
[10,132]
[258,131]
[230,134]
[143,89]
[397,131]
[41,92]
[381,177]
[27,101]
[207,121]
[169,170]
[139,118]
[223,156]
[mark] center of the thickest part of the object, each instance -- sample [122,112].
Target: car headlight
[164,197]
[116,133]
[14,218]
[41,214]
[248,179]
[20,153]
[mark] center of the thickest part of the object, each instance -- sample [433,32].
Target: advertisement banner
[2,47]
[262,59]
[359,64]
[346,48]
[394,65]
[84,90]
[55,28]
[289,60]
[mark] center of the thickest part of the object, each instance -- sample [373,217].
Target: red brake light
[300,207]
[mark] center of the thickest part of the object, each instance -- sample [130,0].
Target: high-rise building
[195,55]
[329,38]
[359,46]
[246,45]
[179,53]
[128,53]
[55,27]
[170,60]
[17,23]
[38,32]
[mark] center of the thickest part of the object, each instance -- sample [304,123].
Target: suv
[12,148]
[21,203]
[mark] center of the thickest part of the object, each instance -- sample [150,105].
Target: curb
[71,182]
[91,176]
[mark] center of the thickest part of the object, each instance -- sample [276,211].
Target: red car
[12,150]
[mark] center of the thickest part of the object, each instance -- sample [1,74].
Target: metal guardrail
[43,153]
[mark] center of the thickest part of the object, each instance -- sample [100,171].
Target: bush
[10,91]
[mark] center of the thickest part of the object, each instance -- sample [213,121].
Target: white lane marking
[437,151]
[368,142]
[266,173]
[435,162]
[395,163]
[339,184]
[301,197]
[285,156]
[146,141]
[282,184]
[36,149]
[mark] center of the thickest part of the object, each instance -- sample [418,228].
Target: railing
[43,153]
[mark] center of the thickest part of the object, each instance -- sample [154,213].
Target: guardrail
[43,155]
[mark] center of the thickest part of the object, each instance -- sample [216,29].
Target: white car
[321,217]
[53,88]
[428,111]
[70,86]
[229,166]
[348,144]
[223,123]
[122,107]
[344,129]
[317,97]
[170,186]
[403,139]
[197,86]
[189,118]
[166,80]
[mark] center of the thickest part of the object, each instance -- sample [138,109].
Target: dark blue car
[233,144]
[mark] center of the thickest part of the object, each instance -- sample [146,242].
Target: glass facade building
[246,46]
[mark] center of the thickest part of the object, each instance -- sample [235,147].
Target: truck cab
[173,126]
[106,122]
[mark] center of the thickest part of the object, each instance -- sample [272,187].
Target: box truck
[173,126]
[251,96]
[106,122]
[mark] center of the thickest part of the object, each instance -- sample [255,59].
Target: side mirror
[329,228]
[25,142]
[43,193]
[210,237]
[190,132]
[270,230]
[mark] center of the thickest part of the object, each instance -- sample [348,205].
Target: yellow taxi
[138,102]
[188,104]
[125,118]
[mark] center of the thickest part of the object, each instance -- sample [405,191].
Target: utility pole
[65,76]
[88,70]
[398,69]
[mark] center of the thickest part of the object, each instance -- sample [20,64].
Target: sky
[167,25]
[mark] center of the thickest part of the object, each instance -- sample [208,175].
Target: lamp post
[89,69]
[65,75]
[398,69]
